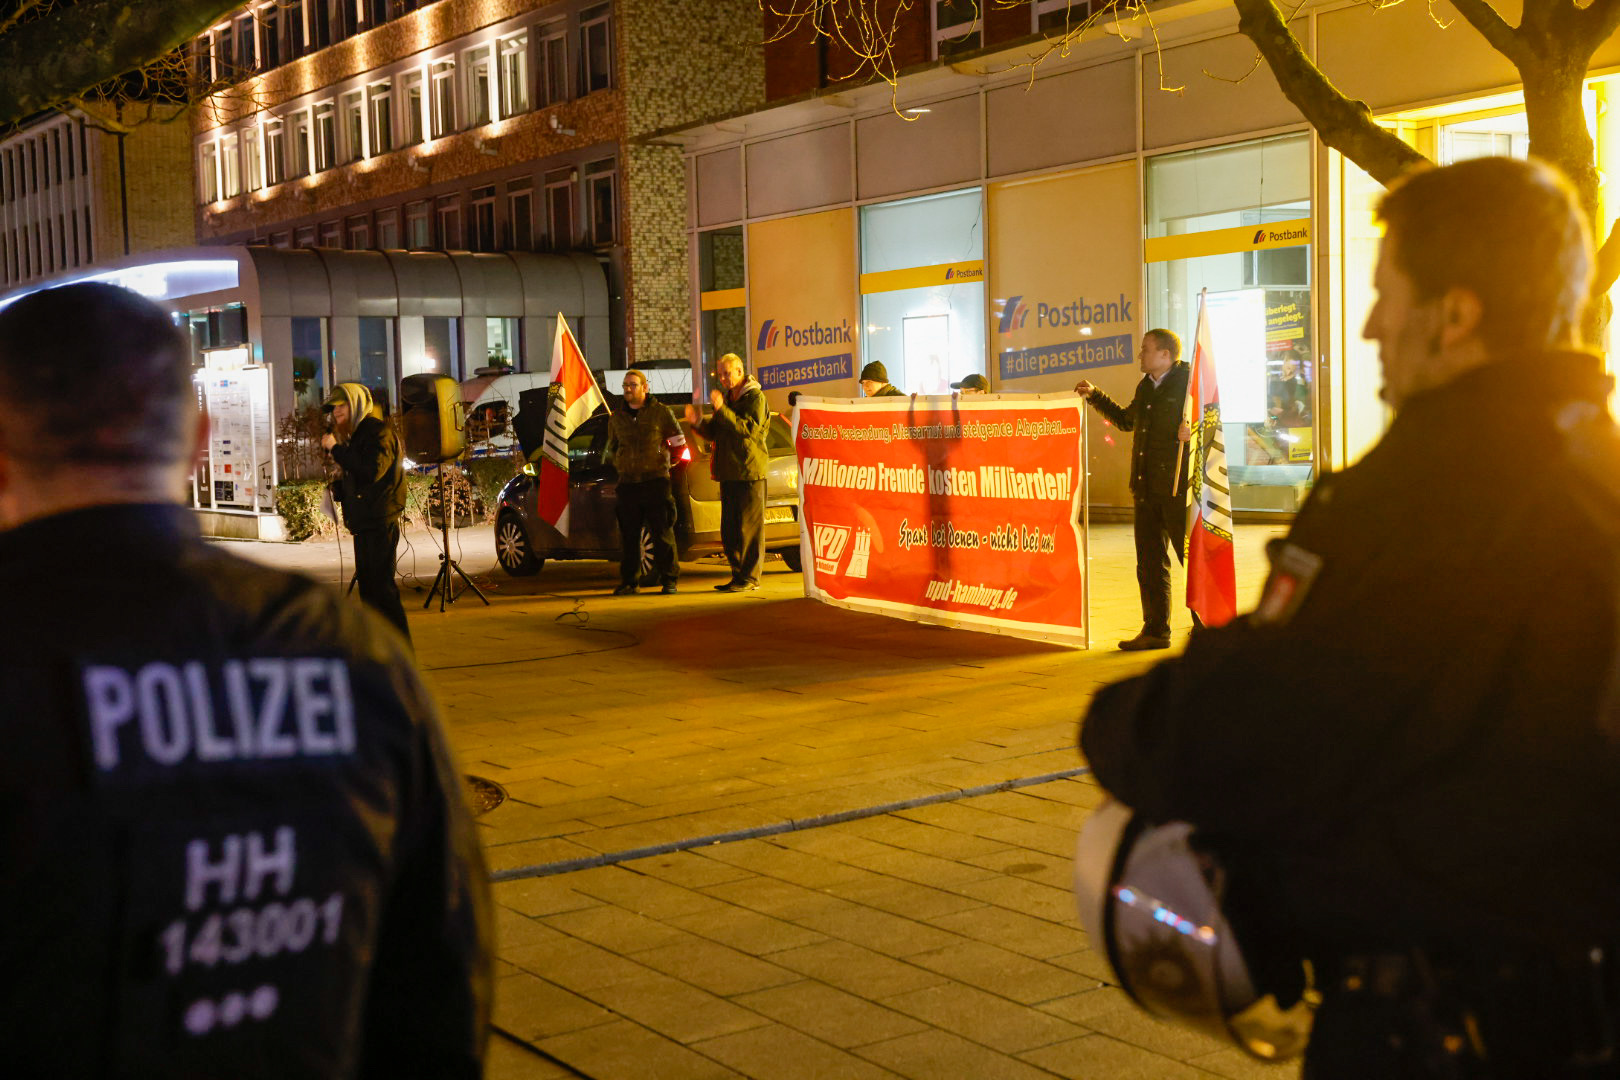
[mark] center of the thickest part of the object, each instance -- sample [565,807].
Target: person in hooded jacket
[371,491]
[738,427]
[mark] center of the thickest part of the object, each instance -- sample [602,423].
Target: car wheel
[512,548]
[649,576]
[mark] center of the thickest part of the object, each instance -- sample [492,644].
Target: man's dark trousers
[647,503]
[1160,520]
[374,551]
[742,528]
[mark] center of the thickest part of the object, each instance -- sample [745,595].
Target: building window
[281,240]
[553,61]
[377,358]
[382,118]
[387,230]
[247,53]
[419,226]
[331,234]
[357,233]
[599,192]
[230,167]
[224,53]
[269,19]
[210,172]
[304,236]
[441,348]
[348,18]
[300,144]
[308,359]
[479,86]
[595,49]
[448,212]
[376,11]
[483,219]
[515,74]
[354,126]
[325,137]
[444,98]
[275,153]
[411,91]
[297,38]
[253,158]
[502,348]
[560,209]
[520,220]
[958,27]
[318,14]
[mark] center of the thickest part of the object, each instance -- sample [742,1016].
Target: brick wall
[680,61]
[161,186]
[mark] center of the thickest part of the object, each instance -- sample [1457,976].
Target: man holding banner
[1158,474]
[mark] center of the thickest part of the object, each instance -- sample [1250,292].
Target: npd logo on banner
[778,368]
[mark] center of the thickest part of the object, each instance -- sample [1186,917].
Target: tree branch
[1342,123]
[1608,263]
[1493,28]
[68,50]
[1599,20]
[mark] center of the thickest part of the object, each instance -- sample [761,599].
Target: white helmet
[1152,901]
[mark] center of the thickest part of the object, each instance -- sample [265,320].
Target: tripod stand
[441,582]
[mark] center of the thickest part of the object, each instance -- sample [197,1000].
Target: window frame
[512,51]
[442,85]
[381,94]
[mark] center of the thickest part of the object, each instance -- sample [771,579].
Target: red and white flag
[573,398]
[1211,577]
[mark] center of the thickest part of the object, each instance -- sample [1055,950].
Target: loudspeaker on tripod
[431,420]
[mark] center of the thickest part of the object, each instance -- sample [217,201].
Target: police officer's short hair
[93,374]
[1511,232]
[1168,340]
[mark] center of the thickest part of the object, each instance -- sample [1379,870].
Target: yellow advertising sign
[802,307]
[723,299]
[1065,283]
[1275,234]
[922,277]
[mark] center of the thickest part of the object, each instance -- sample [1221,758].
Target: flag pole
[1186,401]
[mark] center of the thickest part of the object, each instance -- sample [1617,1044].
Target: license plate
[774,514]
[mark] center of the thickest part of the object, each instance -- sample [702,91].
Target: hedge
[475,487]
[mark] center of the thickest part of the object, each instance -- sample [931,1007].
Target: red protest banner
[961,511]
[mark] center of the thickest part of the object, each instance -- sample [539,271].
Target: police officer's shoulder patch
[1293,572]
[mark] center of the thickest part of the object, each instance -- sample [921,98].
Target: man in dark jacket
[371,490]
[738,427]
[1158,474]
[875,381]
[1408,752]
[641,433]
[232,840]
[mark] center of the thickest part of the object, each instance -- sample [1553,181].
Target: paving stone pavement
[938,941]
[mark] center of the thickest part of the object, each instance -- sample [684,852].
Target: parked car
[523,541]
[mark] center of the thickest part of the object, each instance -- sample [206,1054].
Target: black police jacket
[372,487]
[231,840]
[1412,739]
[1158,456]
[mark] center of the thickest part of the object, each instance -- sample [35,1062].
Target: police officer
[1407,750]
[232,842]
[1158,474]
[371,489]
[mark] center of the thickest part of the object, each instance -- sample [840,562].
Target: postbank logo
[1281,236]
[771,335]
[1014,313]
[965,273]
[831,541]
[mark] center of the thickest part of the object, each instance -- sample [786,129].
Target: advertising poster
[962,512]
[1065,296]
[803,324]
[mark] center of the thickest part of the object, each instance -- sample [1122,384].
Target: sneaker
[668,589]
[738,586]
[625,590]
[1144,641]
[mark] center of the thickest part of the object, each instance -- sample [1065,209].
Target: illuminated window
[301,156]
[382,118]
[515,74]
[275,153]
[444,98]
[230,167]
[595,49]
[354,126]
[210,172]
[480,84]
[411,91]
[325,137]
[253,158]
